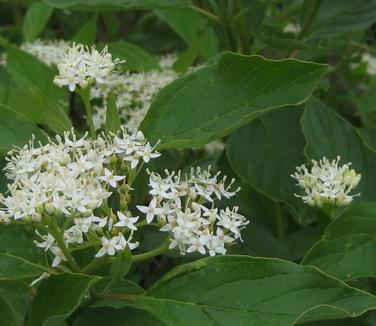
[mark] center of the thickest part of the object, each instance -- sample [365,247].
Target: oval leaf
[241,290]
[36,19]
[347,249]
[213,101]
[15,129]
[19,257]
[58,297]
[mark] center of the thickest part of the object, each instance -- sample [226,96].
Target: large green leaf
[88,32]
[115,4]
[193,28]
[36,19]
[15,129]
[330,135]
[14,300]
[30,72]
[35,106]
[19,257]
[213,101]
[347,249]
[117,317]
[57,297]
[266,151]
[339,16]
[136,59]
[240,290]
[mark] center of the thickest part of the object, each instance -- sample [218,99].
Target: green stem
[96,263]
[315,6]
[155,252]
[55,231]
[243,33]
[363,46]
[206,13]
[85,96]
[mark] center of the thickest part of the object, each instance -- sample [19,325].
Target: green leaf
[112,115]
[366,106]
[88,32]
[328,134]
[264,154]
[240,290]
[335,17]
[14,298]
[36,19]
[117,317]
[59,296]
[193,28]
[19,257]
[15,129]
[136,59]
[115,4]
[213,101]
[122,264]
[36,107]
[29,72]
[347,249]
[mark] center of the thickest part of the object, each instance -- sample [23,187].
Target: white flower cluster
[184,206]
[134,92]
[71,179]
[327,183]
[371,63]
[81,65]
[47,51]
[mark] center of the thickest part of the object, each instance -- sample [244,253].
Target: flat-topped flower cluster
[327,183]
[185,206]
[81,65]
[70,179]
[66,188]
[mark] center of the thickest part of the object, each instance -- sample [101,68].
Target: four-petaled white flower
[109,247]
[151,210]
[110,178]
[127,221]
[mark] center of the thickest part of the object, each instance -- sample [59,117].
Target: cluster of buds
[327,183]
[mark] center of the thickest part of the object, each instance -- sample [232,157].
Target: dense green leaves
[28,71]
[347,249]
[18,257]
[15,129]
[88,32]
[239,290]
[328,134]
[338,16]
[136,59]
[213,101]
[57,297]
[275,152]
[194,29]
[115,4]
[36,18]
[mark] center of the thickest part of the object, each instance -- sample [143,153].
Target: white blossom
[326,183]
[184,207]
[125,220]
[80,64]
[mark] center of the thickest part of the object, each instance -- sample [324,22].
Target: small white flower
[110,178]
[151,210]
[109,247]
[59,256]
[127,221]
